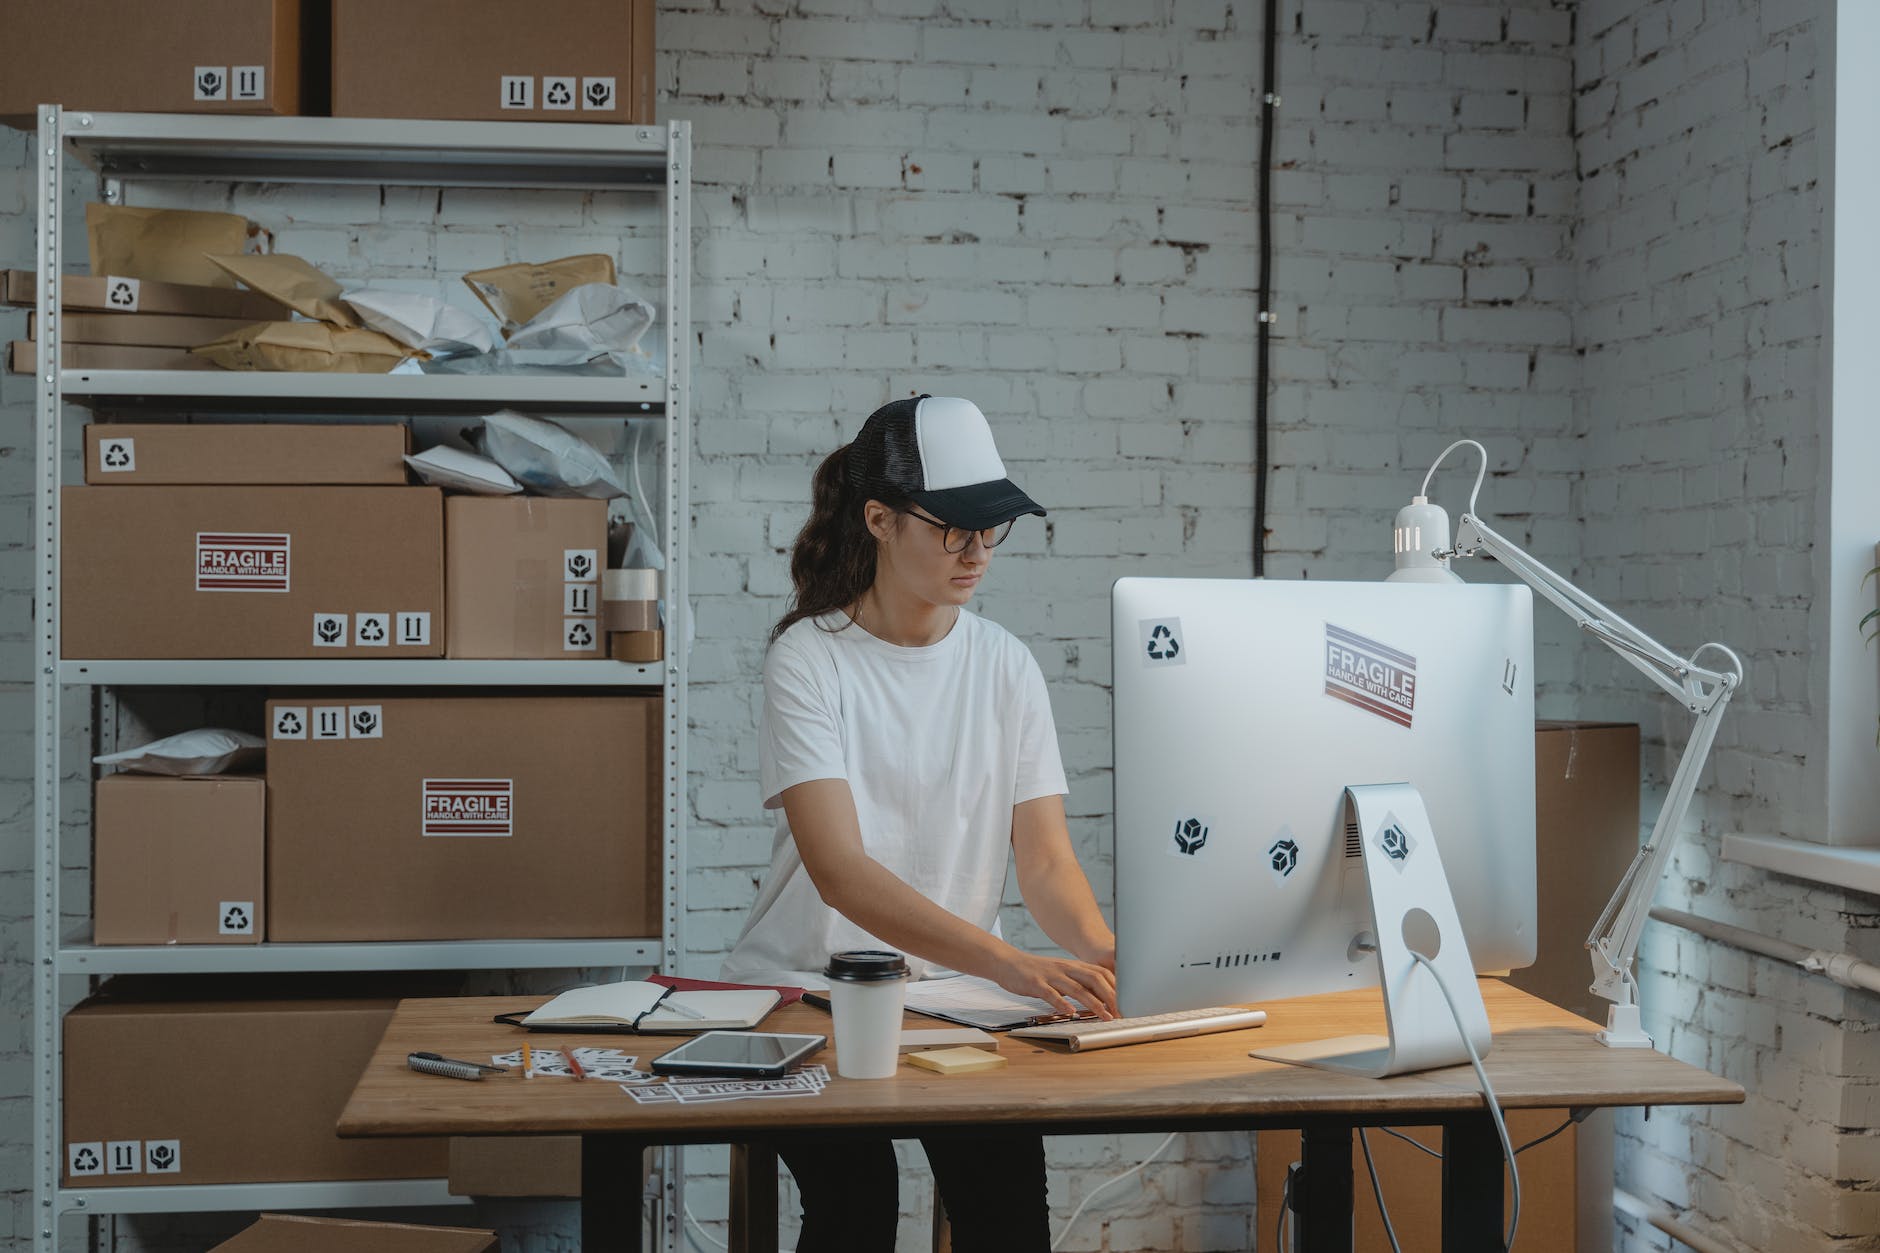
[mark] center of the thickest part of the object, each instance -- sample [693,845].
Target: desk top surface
[1544,1057]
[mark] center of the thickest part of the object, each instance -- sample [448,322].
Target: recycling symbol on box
[122,294]
[579,636]
[117,455]
[371,628]
[237,918]
[288,725]
[558,94]
[1190,836]
[86,1160]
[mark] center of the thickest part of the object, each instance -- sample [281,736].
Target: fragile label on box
[469,807]
[241,562]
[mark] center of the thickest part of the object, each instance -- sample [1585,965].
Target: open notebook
[649,1008]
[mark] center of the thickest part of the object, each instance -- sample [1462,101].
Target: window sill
[1855,869]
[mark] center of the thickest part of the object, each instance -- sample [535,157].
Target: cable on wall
[1269,112]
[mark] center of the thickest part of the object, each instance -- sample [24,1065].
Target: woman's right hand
[1069,987]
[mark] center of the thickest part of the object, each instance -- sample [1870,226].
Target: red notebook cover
[678,984]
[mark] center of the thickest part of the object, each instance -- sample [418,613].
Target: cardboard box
[141,330]
[1586,780]
[205,56]
[515,1166]
[522,576]
[571,61]
[111,294]
[178,861]
[303,1233]
[1412,1183]
[459,816]
[203,454]
[252,572]
[190,1080]
[23,358]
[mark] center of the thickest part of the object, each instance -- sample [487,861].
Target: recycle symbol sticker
[290,723]
[558,93]
[238,918]
[87,1159]
[123,293]
[119,454]
[1162,642]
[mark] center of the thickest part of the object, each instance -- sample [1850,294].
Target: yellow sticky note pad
[956,1061]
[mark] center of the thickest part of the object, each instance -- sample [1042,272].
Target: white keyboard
[1095,1033]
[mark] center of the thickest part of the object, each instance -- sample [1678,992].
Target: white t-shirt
[938,745]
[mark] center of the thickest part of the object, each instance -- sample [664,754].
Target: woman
[910,747]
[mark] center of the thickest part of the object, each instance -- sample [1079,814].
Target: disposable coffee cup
[867,990]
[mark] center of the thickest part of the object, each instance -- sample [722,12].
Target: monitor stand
[1412,911]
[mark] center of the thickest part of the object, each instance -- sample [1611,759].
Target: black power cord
[1269,112]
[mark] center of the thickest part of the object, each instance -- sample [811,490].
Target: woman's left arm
[1053,884]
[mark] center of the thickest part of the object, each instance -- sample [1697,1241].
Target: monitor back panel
[1243,709]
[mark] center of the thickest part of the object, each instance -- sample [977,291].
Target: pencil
[528,1063]
[574,1063]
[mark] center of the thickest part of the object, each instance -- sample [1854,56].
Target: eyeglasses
[955,538]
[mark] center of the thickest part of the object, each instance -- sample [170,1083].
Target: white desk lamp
[1423,555]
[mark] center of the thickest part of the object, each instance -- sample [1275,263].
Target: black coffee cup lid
[866,965]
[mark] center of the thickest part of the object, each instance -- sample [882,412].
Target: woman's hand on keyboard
[1069,987]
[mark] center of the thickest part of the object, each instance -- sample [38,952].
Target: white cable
[1479,474]
[1488,1096]
[699,1229]
[1415,1144]
[1109,1183]
[1377,1190]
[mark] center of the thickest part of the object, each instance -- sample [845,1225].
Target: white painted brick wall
[1047,207]
[1699,269]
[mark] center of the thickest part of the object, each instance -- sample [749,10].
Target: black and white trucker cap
[937,452]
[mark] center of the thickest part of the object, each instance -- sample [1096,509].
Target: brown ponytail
[833,560]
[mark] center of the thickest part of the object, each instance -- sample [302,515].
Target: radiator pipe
[1662,1219]
[1844,968]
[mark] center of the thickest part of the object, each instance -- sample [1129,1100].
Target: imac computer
[1243,711]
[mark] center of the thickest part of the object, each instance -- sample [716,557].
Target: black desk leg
[1473,1204]
[1323,1199]
[613,1168]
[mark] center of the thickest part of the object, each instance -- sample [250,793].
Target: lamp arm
[1613,942]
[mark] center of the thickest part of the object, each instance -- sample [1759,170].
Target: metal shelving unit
[650,160]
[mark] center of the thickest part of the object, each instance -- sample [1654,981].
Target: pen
[528,1063]
[684,1011]
[574,1063]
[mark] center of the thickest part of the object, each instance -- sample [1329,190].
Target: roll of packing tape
[638,584]
[630,600]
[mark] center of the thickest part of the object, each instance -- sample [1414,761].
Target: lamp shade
[1422,531]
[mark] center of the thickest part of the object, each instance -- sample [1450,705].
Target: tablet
[760,1054]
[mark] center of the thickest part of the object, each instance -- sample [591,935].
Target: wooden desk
[1543,1058]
